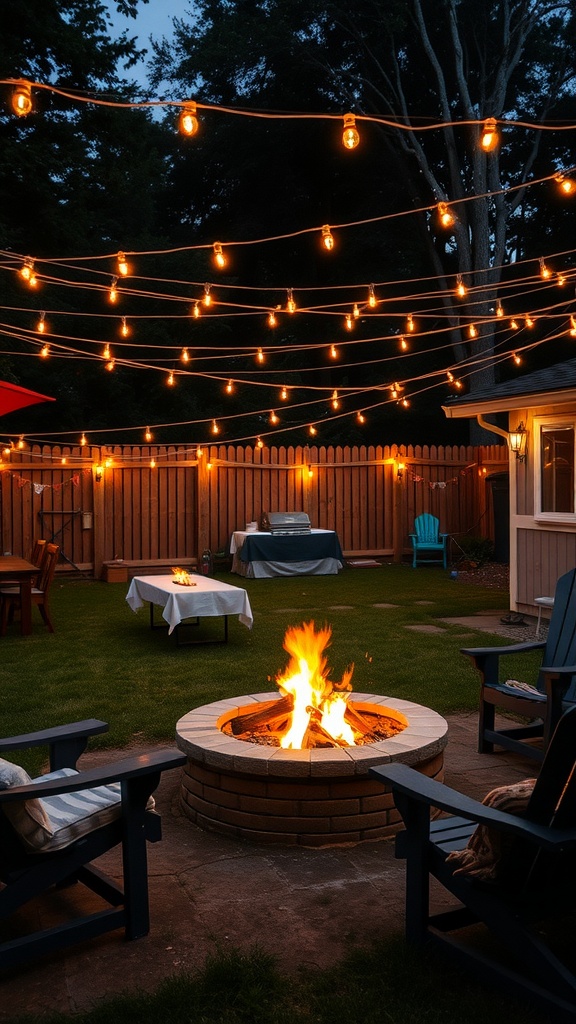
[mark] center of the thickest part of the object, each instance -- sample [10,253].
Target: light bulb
[196,310]
[122,265]
[113,293]
[371,297]
[489,137]
[148,434]
[335,400]
[215,427]
[152,463]
[26,270]
[403,343]
[573,326]
[45,351]
[349,322]
[124,329]
[188,122]
[284,394]
[260,356]
[360,417]
[185,355]
[461,289]
[356,311]
[106,352]
[561,280]
[516,358]
[333,352]
[41,326]
[83,441]
[110,365]
[499,310]
[22,100]
[219,257]
[290,303]
[271,318]
[273,418]
[312,430]
[446,218]
[472,331]
[327,238]
[170,379]
[207,300]
[259,442]
[514,325]
[410,325]
[350,136]
[545,271]
[566,185]
[229,387]
[528,321]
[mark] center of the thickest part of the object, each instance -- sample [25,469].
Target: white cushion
[27,817]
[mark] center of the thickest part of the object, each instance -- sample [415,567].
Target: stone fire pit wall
[317,797]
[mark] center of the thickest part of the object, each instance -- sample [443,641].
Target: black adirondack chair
[536,889]
[554,690]
[126,786]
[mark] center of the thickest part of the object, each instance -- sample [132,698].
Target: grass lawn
[104,661]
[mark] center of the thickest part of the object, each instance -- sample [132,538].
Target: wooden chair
[53,827]
[38,551]
[534,890]
[554,690]
[427,538]
[10,595]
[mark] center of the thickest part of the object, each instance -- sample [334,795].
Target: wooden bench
[122,570]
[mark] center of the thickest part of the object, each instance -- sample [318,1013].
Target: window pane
[557,469]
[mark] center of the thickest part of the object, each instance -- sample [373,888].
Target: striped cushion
[72,815]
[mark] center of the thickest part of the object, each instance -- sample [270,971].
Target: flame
[316,697]
[182,577]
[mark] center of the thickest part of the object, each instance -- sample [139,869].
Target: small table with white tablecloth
[207,597]
[260,554]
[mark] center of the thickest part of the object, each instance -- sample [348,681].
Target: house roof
[555,385]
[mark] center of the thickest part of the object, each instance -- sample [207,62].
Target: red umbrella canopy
[13,397]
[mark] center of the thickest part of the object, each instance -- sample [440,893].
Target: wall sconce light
[400,467]
[517,440]
[98,472]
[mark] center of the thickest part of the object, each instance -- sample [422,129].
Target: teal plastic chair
[428,544]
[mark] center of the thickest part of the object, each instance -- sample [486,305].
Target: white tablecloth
[208,597]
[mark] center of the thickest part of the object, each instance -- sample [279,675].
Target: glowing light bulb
[22,100]
[349,323]
[333,352]
[185,355]
[566,185]
[273,418]
[472,331]
[516,358]
[113,293]
[42,326]
[360,418]
[350,136]
[170,379]
[272,319]
[259,442]
[489,138]
[207,300]
[260,356]
[215,427]
[410,325]
[371,297]
[356,311]
[290,303]
[403,343]
[148,435]
[219,257]
[528,321]
[284,394]
[229,388]
[106,352]
[573,327]
[312,430]
[446,218]
[83,441]
[461,289]
[327,238]
[514,325]
[561,280]
[26,270]
[188,122]
[124,329]
[152,463]
[545,271]
[499,310]
[199,453]
[110,365]
[122,265]
[45,351]
[335,400]
[196,310]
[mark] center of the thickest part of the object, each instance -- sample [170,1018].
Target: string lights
[22,100]
[188,121]
[350,135]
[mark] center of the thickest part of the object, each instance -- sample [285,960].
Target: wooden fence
[189,501]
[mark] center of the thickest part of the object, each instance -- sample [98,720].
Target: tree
[427,75]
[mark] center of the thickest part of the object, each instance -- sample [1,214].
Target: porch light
[517,440]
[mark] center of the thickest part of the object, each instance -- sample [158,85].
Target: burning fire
[316,698]
[182,577]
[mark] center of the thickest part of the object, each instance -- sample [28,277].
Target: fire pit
[319,792]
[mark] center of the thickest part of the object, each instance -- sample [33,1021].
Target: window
[554,470]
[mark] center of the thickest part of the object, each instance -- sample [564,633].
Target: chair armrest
[528,645]
[417,787]
[89,727]
[65,742]
[558,670]
[117,771]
